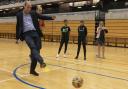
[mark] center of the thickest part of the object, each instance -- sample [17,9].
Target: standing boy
[65,32]
[82,34]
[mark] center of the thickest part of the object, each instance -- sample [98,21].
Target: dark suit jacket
[20,26]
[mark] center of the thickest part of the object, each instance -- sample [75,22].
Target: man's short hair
[65,20]
[26,1]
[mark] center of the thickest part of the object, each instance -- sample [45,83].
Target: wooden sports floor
[109,73]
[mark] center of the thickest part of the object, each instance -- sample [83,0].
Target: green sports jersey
[65,31]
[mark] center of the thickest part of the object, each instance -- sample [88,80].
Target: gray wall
[88,15]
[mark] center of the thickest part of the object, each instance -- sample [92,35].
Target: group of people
[82,35]
[65,34]
[28,29]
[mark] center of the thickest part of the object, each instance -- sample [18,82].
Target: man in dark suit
[27,28]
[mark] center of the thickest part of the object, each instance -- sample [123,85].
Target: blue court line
[25,82]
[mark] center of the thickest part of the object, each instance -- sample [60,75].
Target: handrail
[33,3]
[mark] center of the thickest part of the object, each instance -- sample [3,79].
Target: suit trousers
[33,41]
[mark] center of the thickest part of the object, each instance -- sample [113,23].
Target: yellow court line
[5,70]
[5,80]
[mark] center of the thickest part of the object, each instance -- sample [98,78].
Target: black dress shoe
[76,57]
[34,73]
[43,65]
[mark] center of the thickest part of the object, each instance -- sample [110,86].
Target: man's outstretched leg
[35,54]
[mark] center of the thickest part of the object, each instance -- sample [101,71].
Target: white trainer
[57,55]
[65,56]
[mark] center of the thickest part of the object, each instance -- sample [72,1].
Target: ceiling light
[21,7]
[79,7]
[13,8]
[49,4]
[6,9]
[95,1]
[61,2]
[93,6]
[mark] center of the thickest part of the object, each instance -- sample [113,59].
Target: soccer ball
[77,82]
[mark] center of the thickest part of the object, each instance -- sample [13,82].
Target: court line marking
[35,86]
[91,72]
[90,65]
[23,81]
[8,79]
[5,80]
[8,71]
[5,70]
[84,71]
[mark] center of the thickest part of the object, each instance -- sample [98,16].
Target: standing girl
[101,31]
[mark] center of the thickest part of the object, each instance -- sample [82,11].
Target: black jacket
[35,17]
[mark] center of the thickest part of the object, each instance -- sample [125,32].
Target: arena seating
[6,2]
[118,32]
[117,36]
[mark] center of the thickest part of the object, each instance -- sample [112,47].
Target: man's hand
[53,17]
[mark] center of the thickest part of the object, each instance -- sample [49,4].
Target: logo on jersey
[81,29]
[65,30]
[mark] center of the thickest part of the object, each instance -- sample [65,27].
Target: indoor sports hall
[63,44]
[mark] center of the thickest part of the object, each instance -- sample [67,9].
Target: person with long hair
[40,10]
[101,31]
